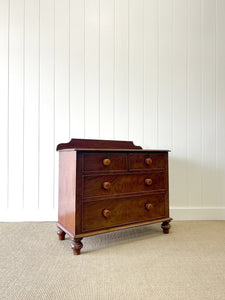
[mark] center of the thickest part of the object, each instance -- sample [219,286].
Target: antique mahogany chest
[110,185]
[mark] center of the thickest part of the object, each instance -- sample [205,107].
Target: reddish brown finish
[106,162]
[123,211]
[148,181]
[138,161]
[106,185]
[100,161]
[148,161]
[97,144]
[76,245]
[61,234]
[148,206]
[67,189]
[120,184]
[106,190]
[106,213]
[166,227]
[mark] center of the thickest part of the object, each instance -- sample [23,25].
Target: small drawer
[115,212]
[105,161]
[146,161]
[106,185]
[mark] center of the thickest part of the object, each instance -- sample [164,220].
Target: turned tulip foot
[76,245]
[166,226]
[61,234]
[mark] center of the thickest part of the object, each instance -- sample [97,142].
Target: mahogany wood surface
[97,144]
[166,226]
[67,189]
[126,210]
[119,184]
[61,234]
[146,161]
[112,229]
[105,161]
[76,245]
[106,188]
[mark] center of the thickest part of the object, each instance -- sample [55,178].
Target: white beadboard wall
[151,71]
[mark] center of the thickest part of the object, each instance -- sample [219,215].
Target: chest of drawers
[110,185]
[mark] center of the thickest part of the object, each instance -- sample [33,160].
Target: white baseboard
[177,213]
[197,213]
[28,215]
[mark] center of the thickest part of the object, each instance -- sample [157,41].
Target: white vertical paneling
[107,69]
[16,103]
[62,61]
[209,107]
[46,135]
[151,47]
[61,79]
[220,102]
[92,129]
[151,71]
[4,22]
[180,103]
[194,113]
[165,74]
[136,71]
[121,70]
[77,85]
[31,104]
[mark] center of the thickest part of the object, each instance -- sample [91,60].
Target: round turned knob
[106,185]
[148,161]
[106,161]
[106,213]
[148,181]
[148,206]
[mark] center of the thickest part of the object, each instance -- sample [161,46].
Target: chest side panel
[67,189]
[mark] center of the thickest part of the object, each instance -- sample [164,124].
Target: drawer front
[104,161]
[115,212]
[146,161]
[118,184]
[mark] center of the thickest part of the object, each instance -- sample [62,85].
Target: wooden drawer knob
[106,185]
[106,213]
[106,162]
[148,206]
[148,161]
[148,181]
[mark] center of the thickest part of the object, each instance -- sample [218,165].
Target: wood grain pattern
[95,161]
[122,211]
[98,191]
[97,144]
[120,184]
[67,190]
[138,161]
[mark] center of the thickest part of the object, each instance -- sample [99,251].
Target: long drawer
[106,185]
[115,212]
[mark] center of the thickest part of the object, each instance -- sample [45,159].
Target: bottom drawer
[114,212]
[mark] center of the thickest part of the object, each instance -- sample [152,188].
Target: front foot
[61,234]
[76,245]
[166,226]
